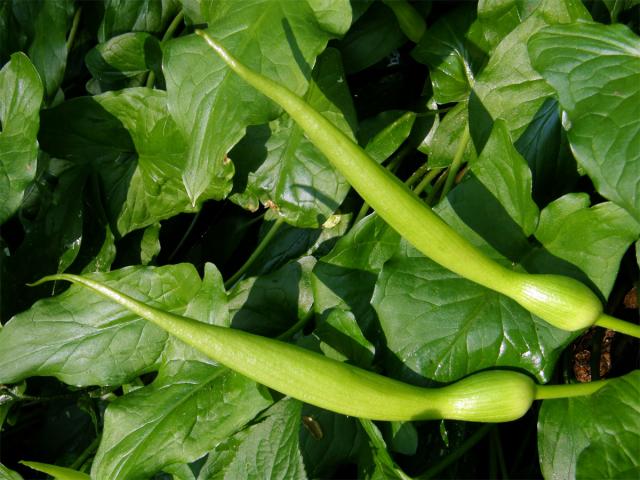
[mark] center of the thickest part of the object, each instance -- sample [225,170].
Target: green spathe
[490,396]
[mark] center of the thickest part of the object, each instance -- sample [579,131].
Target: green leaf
[278,166]
[545,146]
[58,473]
[371,38]
[383,134]
[122,58]
[593,240]
[346,276]
[594,436]
[45,23]
[179,471]
[504,173]
[6,474]
[444,327]
[20,98]
[150,244]
[444,144]
[138,152]
[122,16]
[404,437]
[155,191]
[291,243]
[497,18]
[508,87]
[269,449]
[85,340]
[189,408]
[342,442]
[452,58]
[52,217]
[339,331]
[270,304]
[278,38]
[595,69]
[145,431]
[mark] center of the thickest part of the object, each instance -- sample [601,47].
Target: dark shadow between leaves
[280,292]
[249,155]
[86,134]
[481,211]
[545,147]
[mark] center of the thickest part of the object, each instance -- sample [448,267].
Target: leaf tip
[48,278]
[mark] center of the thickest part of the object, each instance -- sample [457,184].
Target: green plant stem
[151,79]
[256,253]
[497,448]
[86,453]
[378,444]
[296,326]
[415,176]
[548,392]
[457,453]
[431,196]
[185,236]
[175,23]
[456,162]
[74,29]
[428,178]
[622,326]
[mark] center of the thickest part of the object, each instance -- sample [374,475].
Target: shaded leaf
[269,304]
[20,98]
[45,23]
[451,56]
[121,60]
[52,218]
[371,38]
[291,243]
[339,331]
[545,147]
[122,16]
[595,70]
[506,175]
[342,442]
[346,276]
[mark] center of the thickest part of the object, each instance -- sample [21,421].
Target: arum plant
[561,301]
[489,396]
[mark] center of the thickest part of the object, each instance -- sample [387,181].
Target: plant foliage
[131,154]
